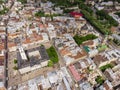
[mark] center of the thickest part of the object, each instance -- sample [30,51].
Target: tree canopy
[93,20]
[103,68]
[4,11]
[23,1]
[80,39]
[103,15]
[118,13]
[15,61]
[99,80]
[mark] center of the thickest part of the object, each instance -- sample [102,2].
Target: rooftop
[33,56]
[68,49]
[75,14]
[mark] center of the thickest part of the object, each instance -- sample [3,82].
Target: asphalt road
[6,51]
[6,59]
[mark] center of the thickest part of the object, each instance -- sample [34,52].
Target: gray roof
[32,60]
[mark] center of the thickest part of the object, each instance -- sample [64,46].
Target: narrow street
[6,50]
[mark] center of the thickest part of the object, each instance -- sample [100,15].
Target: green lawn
[50,63]
[102,47]
[52,55]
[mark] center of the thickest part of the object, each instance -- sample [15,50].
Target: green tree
[95,23]
[50,63]
[15,68]
[1,1]
[15,61]
[4,11]
[103,15]
[99,80]
[40,14]
[80,39]
[23,1]
[103,68]
[86,8]
[118,13]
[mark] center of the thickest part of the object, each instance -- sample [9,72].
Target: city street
[46,45]
[6,48]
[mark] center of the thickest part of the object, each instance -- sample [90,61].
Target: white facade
[22,53]
[93,52]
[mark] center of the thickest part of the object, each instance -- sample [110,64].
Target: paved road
[6,51]
[6,60]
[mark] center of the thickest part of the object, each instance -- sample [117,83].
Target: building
[76,14]
[2,77]
[85,86]
[32,59]
[79,69]
[69,50]
[106,57]
[58,80]
[106,86]
[113,75]
[91,47]
[117,37]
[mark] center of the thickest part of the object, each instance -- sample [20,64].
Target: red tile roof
[11,44]
[74,14]
[74,72]
[1,47]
